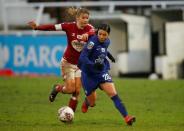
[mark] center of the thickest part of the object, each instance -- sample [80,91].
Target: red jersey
[74,37]
[75,42]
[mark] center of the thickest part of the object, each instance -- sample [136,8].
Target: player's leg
[68,73]
[65,89]
[89,101]
[89,85]
[75,96]
[56,88]
[110,90]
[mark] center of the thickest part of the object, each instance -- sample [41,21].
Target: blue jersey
[94,52]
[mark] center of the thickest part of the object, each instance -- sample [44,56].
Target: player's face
[102,35]
[82,20]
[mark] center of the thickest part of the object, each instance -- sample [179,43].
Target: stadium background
[147,36]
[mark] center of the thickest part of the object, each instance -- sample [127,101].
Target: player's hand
[85,37]
[32,24]
[99,66]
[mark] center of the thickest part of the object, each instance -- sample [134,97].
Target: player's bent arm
[88,34]
[91,32]
[84,57]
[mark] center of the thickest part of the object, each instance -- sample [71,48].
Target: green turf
[157,105]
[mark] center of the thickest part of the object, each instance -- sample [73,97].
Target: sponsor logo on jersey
[78,45]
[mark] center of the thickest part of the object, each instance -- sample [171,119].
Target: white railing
[109,4]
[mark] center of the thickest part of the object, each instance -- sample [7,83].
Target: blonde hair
[76,12]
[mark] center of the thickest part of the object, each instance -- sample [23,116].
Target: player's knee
[70,87]
[111,94]
[77,91]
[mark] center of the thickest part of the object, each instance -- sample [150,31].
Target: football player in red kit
[77,35]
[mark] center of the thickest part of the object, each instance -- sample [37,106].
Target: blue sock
[119,105]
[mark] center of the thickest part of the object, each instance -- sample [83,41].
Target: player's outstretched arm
[47,27]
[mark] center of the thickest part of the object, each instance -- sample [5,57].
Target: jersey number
[106,76]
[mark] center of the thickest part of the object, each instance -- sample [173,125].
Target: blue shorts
[91,82]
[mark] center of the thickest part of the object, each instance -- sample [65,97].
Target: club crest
[90,45]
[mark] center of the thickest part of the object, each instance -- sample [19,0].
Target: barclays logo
[4,55]
[27,54]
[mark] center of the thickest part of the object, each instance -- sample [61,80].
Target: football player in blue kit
[95,66]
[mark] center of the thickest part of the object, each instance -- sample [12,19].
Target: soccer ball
[65,114]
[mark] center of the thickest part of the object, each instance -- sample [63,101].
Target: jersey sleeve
[47,27]
[53,27]
[63,26]
[110,56]
[58,26]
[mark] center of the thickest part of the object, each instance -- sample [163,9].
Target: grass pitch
[158,106]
